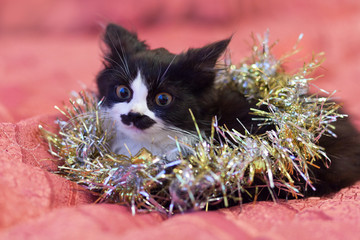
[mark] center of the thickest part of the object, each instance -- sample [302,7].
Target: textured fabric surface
[49,48]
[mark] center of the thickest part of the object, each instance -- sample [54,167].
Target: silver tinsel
[215,173]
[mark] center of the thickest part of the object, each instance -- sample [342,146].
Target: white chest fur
[129,146]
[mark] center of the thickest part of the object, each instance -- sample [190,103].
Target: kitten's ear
[120,41]
[198,65]
[206,57]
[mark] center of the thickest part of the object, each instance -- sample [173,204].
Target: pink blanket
[49,48]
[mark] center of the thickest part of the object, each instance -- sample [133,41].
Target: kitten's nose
[139,120]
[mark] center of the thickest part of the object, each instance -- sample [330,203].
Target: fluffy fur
[148,94]
[188,78]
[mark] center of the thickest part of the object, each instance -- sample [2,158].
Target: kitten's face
[148,93]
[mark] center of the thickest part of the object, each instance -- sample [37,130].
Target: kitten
[148,94]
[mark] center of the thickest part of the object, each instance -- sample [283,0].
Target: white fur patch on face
[138,103]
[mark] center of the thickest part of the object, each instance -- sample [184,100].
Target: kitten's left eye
[163,99]
[123,92]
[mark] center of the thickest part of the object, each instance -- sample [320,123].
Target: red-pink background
[49,48]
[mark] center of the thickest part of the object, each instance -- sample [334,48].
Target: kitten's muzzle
[139,120]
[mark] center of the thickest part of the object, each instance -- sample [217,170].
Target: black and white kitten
[148,94]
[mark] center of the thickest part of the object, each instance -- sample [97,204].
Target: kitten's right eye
[163,99]
[123,92]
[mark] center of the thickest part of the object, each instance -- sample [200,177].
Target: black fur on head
[122,42]
[188,77]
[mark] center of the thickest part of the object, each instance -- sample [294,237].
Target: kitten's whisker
[123,59]
[187,136]
[184,145]
[158,77]
[167,69]
[124,73]
[120,74]
[113,61]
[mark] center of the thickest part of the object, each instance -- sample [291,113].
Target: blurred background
[49,48]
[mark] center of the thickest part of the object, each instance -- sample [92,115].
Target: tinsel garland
[215,172]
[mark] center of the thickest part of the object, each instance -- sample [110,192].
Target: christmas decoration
[216,172]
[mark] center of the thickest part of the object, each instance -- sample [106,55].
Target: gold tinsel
[214,173]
